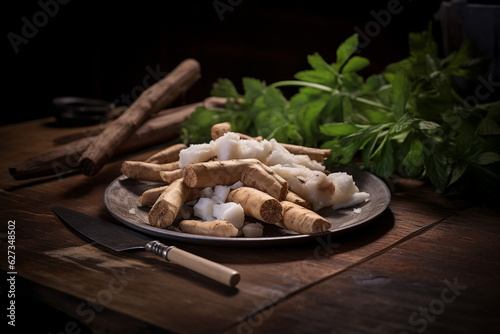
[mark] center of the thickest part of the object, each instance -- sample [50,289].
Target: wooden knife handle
[196,263]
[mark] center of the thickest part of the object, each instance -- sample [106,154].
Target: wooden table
[427,265]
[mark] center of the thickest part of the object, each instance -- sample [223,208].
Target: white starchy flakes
[281,156]
[356,210]
[305,176]
[312,185]
[220,193]
[204,209]
[354,199]
[132,211]
[227,147]
[195,153]
[230,211]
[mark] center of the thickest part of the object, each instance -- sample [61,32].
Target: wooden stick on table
[150,101]
[62,158]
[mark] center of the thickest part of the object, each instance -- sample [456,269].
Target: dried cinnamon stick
[64,158]
[156,97]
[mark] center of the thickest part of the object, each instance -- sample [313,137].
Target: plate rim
[260,241]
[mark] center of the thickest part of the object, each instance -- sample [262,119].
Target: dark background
[103,49]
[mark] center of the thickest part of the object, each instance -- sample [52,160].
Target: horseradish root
[152,100]
[215,228]
[169,154]
[302,220]
[249,171]
[257,204]
[145,171]
[149,197]
[167,206]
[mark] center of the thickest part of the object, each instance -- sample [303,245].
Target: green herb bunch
[408,120]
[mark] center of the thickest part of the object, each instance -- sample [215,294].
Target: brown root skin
[159,95]
[296,199]
[317,154]
[145,171]
[260,178]
[171,176]
[218,130]
[216,172]
[257,204]
[149,197]
[216,228]
[169,154]
[167,206]
[251,172]
[302,220]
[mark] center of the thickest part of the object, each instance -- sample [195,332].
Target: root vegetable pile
[236,185]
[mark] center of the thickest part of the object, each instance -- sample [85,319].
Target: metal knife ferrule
[159,249]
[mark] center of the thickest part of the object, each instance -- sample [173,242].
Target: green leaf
[367,153]
[457,173]
[346,49]
[271,98]
[436,168]
[338,129]
[489,123]
[320,77]
[383,161]
[351,82]
[253,89]
[378,116]
[372,84]
[487,158]
[355,64]
[400,94]
[308,120]
[428,125]
[403,124]
[414,160]
[319,64]
[225,88]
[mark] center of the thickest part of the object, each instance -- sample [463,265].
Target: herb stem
[301,83]
[327,89]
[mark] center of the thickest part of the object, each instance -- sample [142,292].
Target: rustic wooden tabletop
[426,265]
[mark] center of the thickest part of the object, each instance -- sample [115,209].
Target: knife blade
[120,239]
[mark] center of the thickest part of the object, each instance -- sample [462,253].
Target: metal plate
[121,198]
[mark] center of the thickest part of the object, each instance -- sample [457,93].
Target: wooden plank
[62,260]
[442,281]
[54,261]
[21,141]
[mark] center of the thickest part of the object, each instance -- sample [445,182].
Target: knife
[120,238]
